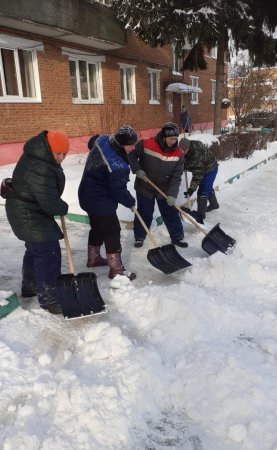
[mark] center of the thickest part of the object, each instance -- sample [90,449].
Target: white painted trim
[19,98]
[123,65]
[78,54]
[13,42]
[153,70]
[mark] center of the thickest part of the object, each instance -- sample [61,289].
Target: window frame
[175,61]
[157,72]
[194,99]
[212,53]
[124,68]
[89,59]
[213,87]
[15,44]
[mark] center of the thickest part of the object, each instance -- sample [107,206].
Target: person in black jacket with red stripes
[162,161]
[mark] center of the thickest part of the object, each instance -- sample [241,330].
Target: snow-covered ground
[183,361]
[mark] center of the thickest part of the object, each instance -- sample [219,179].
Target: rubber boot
[202,205]
[117,268]
[213,202]
[94,257]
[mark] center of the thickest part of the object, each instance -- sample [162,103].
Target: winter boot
[53,308]
[179,243]
[117,268]
[94,257]
[213,202]
[138,243]
[202,205]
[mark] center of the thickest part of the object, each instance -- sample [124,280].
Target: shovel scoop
[165,258]
[78,294]
[217,240]
[214,240]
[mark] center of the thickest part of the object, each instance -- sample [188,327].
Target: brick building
[71,65]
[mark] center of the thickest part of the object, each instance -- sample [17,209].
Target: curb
[10,307]
[81,218]
[255,167]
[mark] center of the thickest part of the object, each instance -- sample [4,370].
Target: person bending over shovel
[161,159]
[38,183]
[103,186]
[204,167]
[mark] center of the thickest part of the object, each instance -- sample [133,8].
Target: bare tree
[250,89]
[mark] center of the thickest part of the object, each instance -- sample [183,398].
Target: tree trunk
[221,46]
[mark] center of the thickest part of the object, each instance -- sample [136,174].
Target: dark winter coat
[162,164]
[200,161]
[185,120]
[38,178]
[104,181]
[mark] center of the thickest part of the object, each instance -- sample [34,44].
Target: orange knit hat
[58,141]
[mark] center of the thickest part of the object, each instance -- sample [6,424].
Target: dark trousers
[170,215]
[206,186]
[105,229]
[41,266]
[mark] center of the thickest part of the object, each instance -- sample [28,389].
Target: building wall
[20,121]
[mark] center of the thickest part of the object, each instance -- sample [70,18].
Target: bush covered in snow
[240,145]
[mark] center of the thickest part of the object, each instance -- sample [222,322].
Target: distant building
[72,65]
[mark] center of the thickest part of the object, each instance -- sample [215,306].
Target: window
[127,84]
[213,92]
[86,80]
[154,86]
[194,95]
[213,52]
[177,62]
[19,78]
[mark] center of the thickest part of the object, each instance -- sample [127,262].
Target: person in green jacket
[38,182]
[204,167]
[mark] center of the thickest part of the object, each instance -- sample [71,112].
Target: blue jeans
[41,266]
[170,215]
[206,186]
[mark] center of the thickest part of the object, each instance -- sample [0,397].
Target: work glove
[188,193]
[140,174]
[170,200]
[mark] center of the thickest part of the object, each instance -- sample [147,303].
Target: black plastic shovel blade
[217,240]
[167,259]
[79,295]
[194,214]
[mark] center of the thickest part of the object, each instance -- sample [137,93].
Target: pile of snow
[184,361]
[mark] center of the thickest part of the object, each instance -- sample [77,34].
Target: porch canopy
[181,88]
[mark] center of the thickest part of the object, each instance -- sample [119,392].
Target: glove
[188,193]
[170,200]
[133,208]
[140,174]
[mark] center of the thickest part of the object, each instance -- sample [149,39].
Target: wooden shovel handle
[190,219]
[187,186]
[145,227]
[67,246]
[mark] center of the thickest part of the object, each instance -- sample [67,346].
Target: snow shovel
[195,214]
[165,258]
[78,294]
[214,240]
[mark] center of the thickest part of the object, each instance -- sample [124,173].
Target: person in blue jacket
[103,186]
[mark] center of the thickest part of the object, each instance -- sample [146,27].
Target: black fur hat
[126,135]
[170,129]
